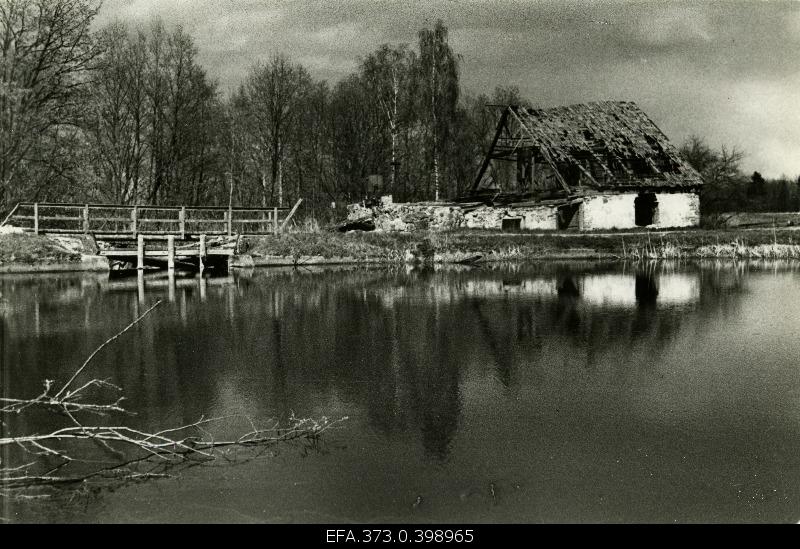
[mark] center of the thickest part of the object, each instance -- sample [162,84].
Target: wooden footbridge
[192,234]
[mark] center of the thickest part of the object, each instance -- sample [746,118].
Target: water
[537,393]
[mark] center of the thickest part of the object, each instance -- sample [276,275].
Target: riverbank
[30,253]
[477,246]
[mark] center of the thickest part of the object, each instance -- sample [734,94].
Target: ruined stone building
[593,166]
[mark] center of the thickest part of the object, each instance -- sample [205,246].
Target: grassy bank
[29,249]
[465,245]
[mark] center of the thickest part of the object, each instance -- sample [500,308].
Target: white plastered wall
[678,210]
[618,211]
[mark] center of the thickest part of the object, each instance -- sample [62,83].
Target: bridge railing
[120,220]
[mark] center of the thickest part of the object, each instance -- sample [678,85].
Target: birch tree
[388,74]
[437,71]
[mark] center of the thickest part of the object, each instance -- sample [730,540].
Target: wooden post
[140,252]
[86,219]
[275,220]
[202,254]
[36,218]
[171,286]
[182,222]
[140,286]
[291,213]
[134,219]
[171,253]
[229,221]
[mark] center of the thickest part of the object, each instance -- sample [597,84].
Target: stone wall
[617,211]
[531,218]
[389,216]
[600,212]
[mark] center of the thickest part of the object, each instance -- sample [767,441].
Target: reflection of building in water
[626,290]
[597,289]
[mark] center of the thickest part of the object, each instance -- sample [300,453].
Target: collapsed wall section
[391,217]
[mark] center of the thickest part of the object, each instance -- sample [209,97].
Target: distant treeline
[128,115]
[728,189]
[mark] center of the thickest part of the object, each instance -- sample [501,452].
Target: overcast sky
[727,71]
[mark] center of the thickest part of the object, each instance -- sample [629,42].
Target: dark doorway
[566,214]
[646,207]
[512,224]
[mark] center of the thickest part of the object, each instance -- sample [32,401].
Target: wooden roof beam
[543,150]
[501,124]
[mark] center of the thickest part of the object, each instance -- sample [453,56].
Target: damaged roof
[608,144]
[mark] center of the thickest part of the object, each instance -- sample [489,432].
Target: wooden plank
[291,213]
[500,125]
[13,211]
[68,205]
[48,217]
[165,253]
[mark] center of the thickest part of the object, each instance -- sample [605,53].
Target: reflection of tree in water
[396,345]
[402,359]
[439,404]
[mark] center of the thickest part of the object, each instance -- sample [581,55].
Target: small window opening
[646,207]
[512,224]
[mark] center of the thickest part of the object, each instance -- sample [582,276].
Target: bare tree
[724,182]
[47,52]
[154,118]
[117,121]
[272,96]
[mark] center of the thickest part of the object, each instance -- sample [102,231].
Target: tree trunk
[280,182]
[263,189]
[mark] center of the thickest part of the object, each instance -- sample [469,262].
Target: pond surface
[525,393]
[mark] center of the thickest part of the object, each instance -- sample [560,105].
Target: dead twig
[161,450]
[106,342]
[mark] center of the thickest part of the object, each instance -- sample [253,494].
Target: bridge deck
[166,253]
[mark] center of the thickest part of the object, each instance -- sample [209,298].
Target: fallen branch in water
[51,453]
[69,401]
[159,450]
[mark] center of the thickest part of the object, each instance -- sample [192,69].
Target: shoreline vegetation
[487,246]
[31,253]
